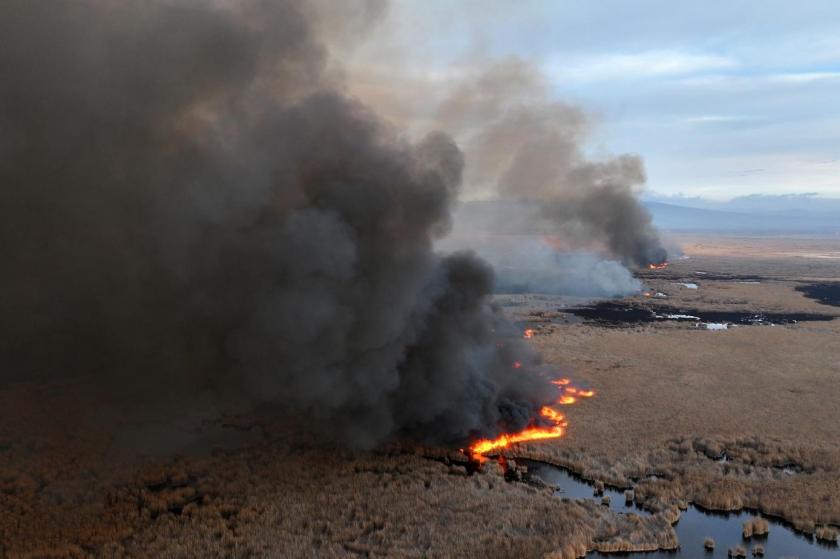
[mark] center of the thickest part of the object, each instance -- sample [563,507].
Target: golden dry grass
[755,527]
[672,402]
[673,399]
[284,497]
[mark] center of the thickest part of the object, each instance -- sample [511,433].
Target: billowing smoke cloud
[521,145]
[526,264]
[189,206]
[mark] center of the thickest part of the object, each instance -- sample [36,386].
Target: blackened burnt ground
[825,293]
[628,312]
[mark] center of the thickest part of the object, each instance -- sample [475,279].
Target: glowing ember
[555,423]
[517,365]
[529,333]
[660,266]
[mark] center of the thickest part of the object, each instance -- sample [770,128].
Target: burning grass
[286,498]
[551,424]
[668,410]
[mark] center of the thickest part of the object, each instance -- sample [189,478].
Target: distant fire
[660,266]
[554,428]
[529,333]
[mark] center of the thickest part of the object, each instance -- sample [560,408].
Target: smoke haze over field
[191,206]
[527,264]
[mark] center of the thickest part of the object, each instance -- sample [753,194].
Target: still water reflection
[695,525]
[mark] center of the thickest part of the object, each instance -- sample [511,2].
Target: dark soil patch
[825,293]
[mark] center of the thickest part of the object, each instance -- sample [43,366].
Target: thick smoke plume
[524,147]
[525,264]
[189,206]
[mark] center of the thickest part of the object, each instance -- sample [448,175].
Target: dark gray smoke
[521,145]
[190,207]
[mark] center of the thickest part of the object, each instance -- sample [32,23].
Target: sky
[721,99]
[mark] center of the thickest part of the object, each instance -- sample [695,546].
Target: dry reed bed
[274,499]
[800,485]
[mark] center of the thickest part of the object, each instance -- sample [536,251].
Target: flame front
[554,429]
[660,266]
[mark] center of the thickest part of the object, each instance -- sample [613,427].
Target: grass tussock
[286,499]
[755,527]
[827,533]
[796,483]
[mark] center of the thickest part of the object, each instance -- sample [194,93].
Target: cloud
[804,77]
[633,66]
[680,85]
[759,79]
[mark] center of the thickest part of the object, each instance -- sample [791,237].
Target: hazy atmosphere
[722,99]
[386,278]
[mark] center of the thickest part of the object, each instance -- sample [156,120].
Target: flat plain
[742,417]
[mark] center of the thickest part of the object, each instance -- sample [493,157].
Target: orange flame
[660,266]
[555,429]
[529,333]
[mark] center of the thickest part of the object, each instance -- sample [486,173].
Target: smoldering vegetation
[526,149]
[192,211]
[529,264]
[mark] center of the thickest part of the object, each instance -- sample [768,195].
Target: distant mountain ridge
[750,214]
[741,217]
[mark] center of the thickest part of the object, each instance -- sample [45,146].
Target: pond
[695,525]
